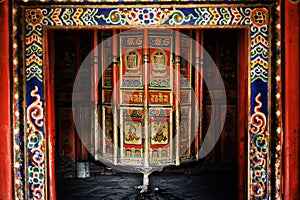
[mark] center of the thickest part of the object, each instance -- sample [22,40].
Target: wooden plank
[291,101]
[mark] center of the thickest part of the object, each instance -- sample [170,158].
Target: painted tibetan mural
[31,142]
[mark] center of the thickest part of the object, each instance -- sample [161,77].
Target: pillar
[5,107]
[291,146]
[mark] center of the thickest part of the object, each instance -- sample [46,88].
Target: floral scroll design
[146,16]
[35,145]
[259,150]
[35,111]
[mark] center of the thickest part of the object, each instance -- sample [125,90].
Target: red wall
[5,126]
[291,101]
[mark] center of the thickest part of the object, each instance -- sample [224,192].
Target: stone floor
[207,183]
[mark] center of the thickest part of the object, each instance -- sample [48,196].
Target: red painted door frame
[291,101]
[243,104]
[50,112]
[5,107]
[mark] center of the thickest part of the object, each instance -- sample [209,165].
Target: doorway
[228,56]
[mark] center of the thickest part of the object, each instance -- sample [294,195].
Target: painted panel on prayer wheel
[129,97]
[163,98]
[185,97]
[161,138]
[132,140]
[107,135]
[131,61]
[160,61]
[185,132]
[185,61]
[106,96]
[107,63]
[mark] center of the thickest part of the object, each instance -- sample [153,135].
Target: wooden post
[50,111]
[291,145]
[146,102]
[95,78]
[177,95]
[198,91]
[201,91]
[243,106]
[115,70]
[5,106]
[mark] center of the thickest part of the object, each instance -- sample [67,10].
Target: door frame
[40,19]
[242,112]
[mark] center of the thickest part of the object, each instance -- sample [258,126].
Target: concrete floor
[205,184]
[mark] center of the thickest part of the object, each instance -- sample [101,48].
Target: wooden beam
[95,94]
[198,94]
[177,95]
[5,106]
[50,111]
[291,100]
[243,110]
[115,70]
[146,97]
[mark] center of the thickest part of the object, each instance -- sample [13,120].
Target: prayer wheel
[146,86]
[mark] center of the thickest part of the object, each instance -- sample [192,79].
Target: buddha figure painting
[159,133]
[133,132]
[159,62]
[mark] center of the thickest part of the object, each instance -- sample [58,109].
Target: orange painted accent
[50,115]
[115,66]
[291,144]
[201,90]
[198,91]
[5,107]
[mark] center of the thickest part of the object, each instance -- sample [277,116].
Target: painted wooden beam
[197,93]
[177,95]
[243,107]
[5,107]
[146,97]
[50,112]
[291,100]
[115,95]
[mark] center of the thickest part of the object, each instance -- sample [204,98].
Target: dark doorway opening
[215,176]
